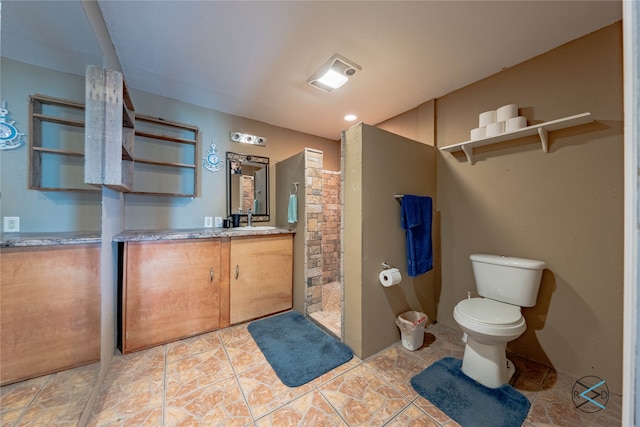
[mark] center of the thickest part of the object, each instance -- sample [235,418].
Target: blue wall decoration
[211,161]
[10,137]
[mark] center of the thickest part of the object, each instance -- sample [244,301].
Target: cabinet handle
[211,274]
[237,271]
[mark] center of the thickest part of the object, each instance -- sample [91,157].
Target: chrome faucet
[249,218]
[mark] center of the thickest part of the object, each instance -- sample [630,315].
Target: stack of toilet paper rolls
[494,122]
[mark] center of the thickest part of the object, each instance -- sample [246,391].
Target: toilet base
[487,363]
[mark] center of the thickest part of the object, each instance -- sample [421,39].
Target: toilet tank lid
[530,264]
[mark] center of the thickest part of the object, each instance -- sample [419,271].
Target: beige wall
[564,207]
[418,124]
[288,171]
[378,165]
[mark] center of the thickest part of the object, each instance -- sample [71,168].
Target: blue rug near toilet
[468,402]
[297,350]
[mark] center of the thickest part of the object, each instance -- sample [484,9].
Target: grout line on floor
[164,385]
[235,377]
[24,410]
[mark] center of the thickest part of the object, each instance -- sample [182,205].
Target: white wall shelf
[542,129]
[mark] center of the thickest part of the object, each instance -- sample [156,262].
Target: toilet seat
[489,312]
[489,321]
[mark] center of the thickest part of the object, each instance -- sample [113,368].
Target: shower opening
[324,297]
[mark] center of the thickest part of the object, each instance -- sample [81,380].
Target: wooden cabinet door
[49,309]
[261,276]
[171,291]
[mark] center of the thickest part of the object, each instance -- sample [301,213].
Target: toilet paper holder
[389,276]
[386,266]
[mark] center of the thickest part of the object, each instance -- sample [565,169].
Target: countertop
[193,233]
[8,240]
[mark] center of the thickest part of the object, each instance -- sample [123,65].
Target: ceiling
[253,59]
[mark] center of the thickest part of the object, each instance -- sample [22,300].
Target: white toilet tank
[508,279]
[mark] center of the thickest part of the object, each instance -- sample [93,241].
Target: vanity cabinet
[49,309]
[172,289]
[178,287]
[261,280]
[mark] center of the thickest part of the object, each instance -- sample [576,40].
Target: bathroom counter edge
[11,240]
[192,233]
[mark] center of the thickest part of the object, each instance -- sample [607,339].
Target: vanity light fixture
[245,138]
[334,73]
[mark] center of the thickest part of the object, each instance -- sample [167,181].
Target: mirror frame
[255,160]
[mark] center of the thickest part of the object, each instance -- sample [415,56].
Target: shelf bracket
[544,138]
[468,151]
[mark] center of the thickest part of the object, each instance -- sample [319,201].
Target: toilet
[489,322]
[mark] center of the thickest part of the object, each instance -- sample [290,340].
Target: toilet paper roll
[494,129]
[478,133]
[506,112]
[486,118]
[515,123]
[390,277]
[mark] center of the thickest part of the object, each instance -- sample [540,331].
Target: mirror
[248,186]
[46,46]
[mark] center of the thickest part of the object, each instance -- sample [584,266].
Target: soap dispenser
[235,218]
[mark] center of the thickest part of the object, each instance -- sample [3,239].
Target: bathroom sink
[255,228]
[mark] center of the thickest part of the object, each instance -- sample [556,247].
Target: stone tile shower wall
[313,230]
[322,234]
[330,226]
[247,193]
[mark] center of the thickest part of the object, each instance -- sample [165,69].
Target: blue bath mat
[297,350]
[468,402]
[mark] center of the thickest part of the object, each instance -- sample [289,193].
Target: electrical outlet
[11,224]
[218,222]
[208,222]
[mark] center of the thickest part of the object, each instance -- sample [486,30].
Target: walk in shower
[324,297]
[317,285]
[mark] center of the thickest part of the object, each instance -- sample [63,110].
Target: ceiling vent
[334,73]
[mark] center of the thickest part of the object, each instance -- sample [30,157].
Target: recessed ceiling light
[350,117]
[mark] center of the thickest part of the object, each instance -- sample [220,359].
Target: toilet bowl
[489,322]
[488,325]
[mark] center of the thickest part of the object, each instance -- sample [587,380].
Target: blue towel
[416,221]
[293,208]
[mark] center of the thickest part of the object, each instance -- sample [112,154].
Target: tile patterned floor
[330,316]
[51,400]
[222,379]
[330,320]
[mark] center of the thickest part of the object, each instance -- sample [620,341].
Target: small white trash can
[411,324]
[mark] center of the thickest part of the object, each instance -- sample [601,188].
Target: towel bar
[399,197]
